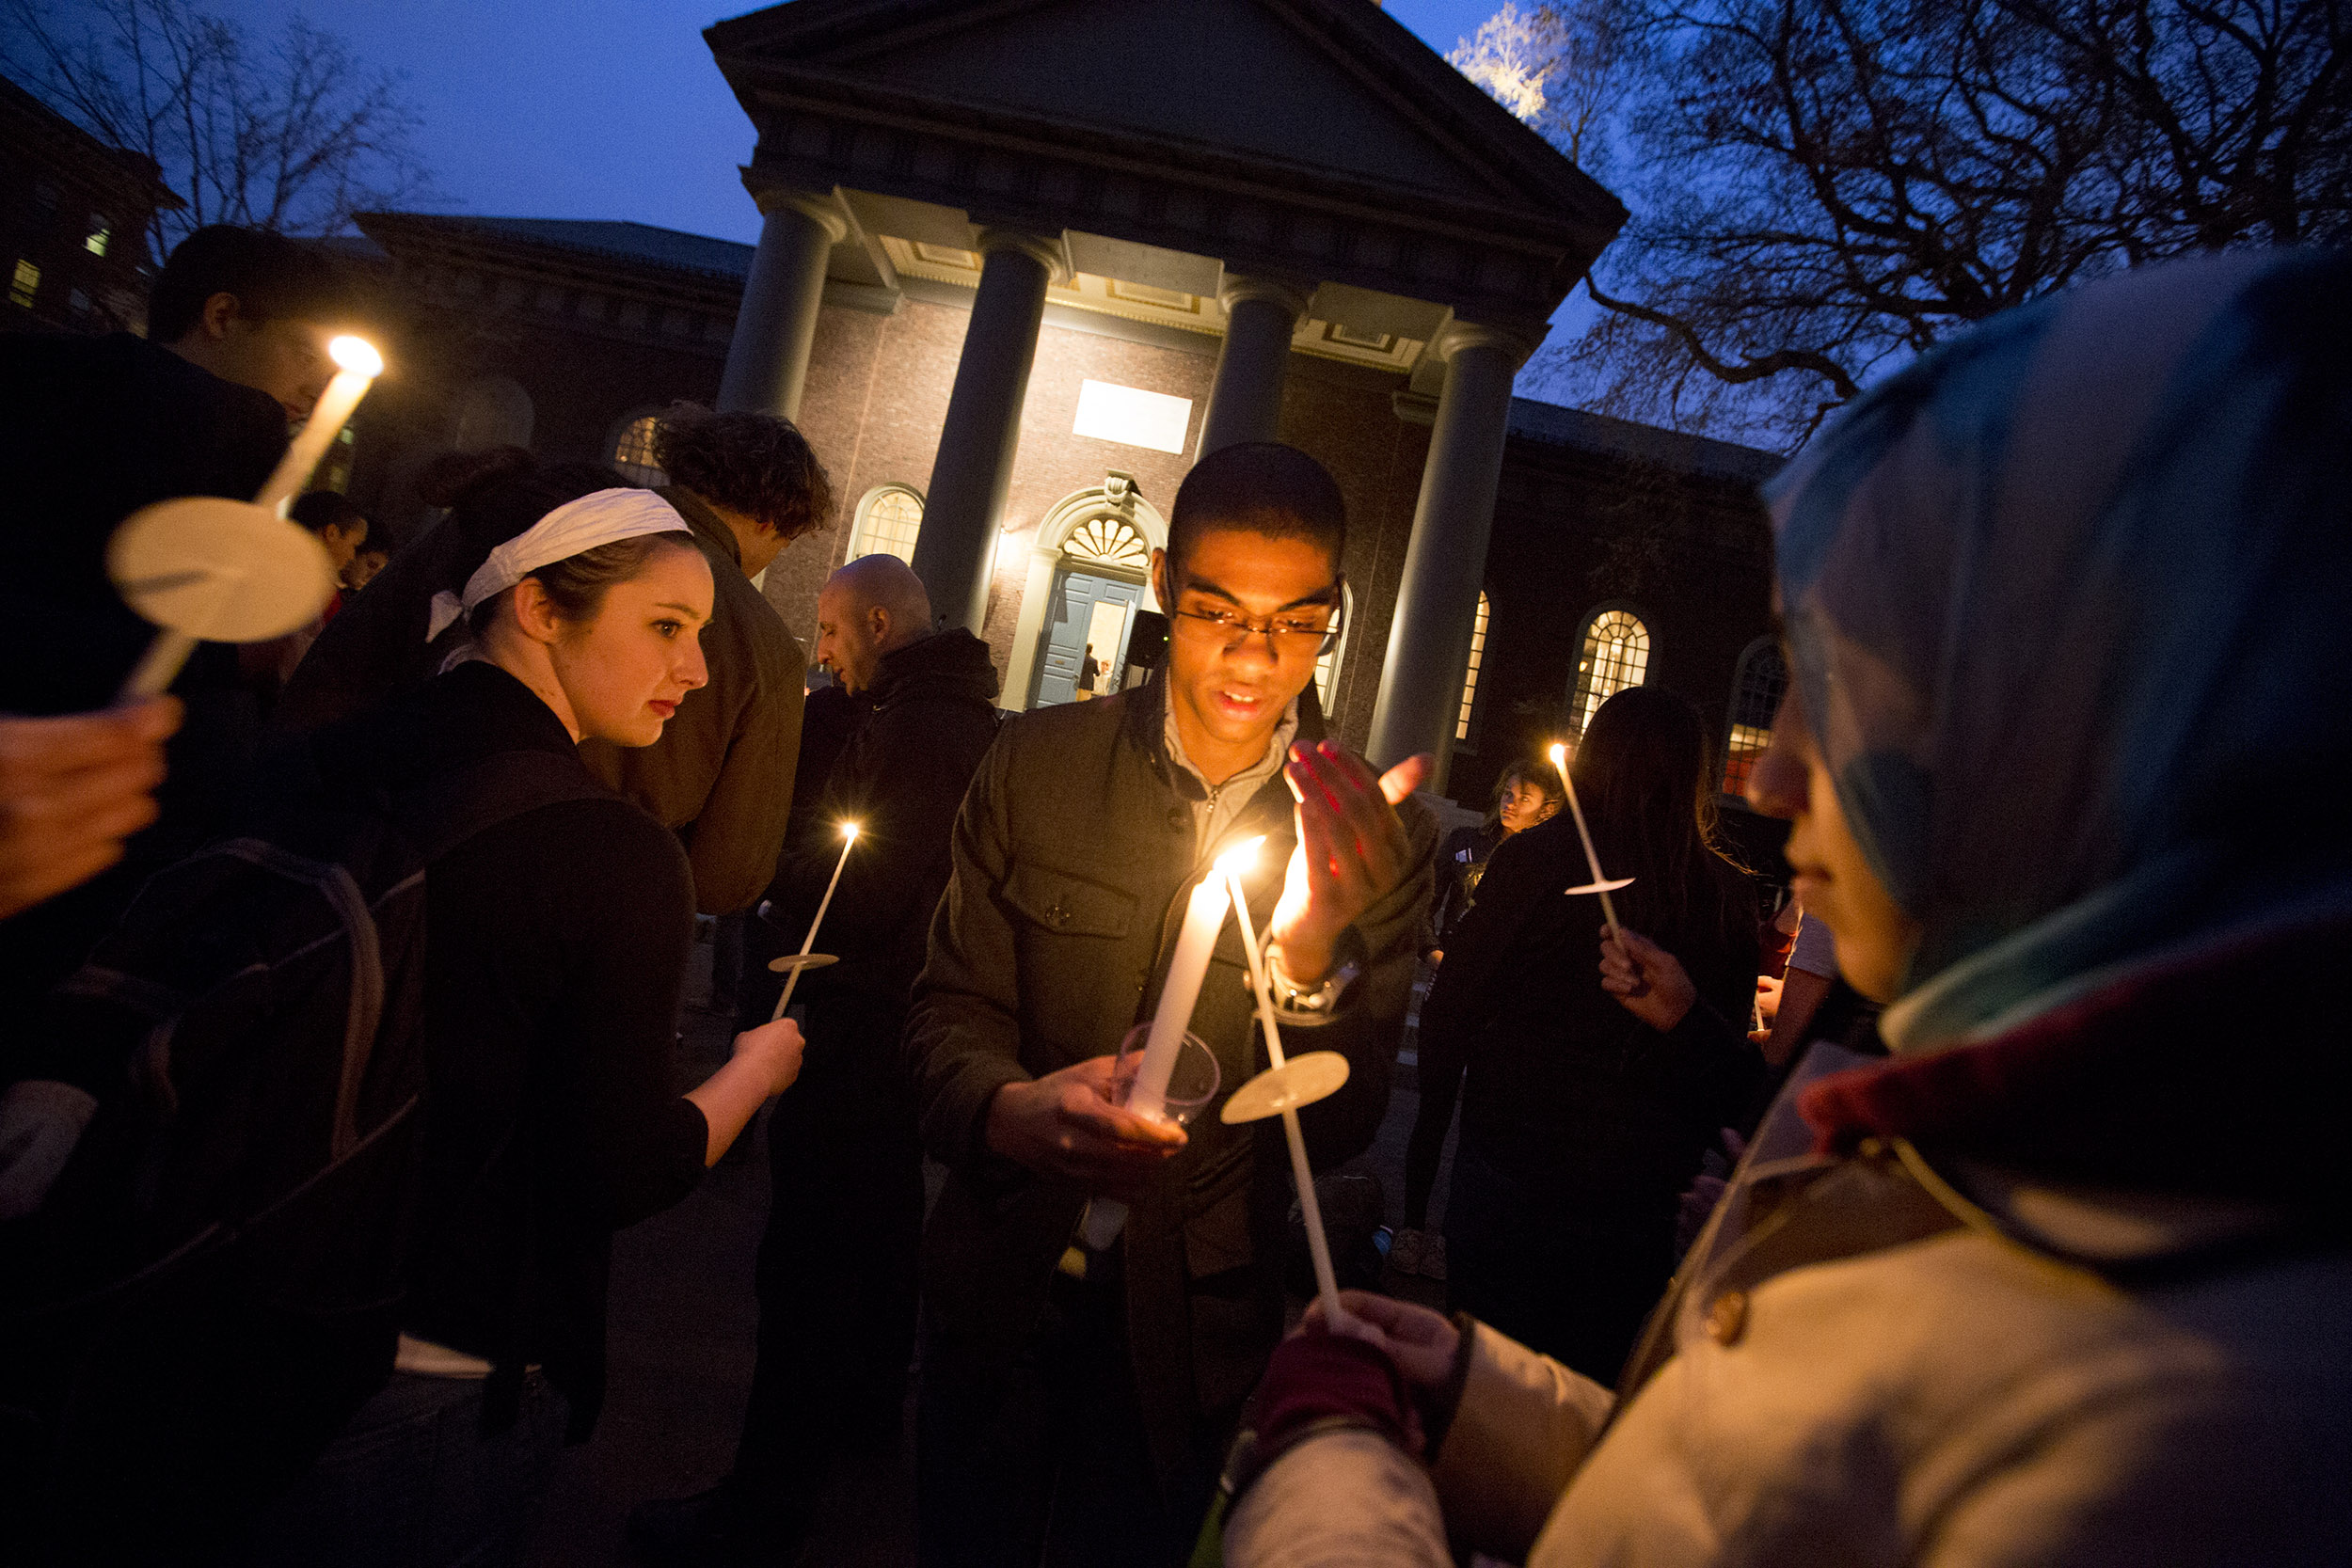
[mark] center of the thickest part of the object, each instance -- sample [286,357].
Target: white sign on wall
[1133,417]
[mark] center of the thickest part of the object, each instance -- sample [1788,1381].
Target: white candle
[360,365]
[1205,916]
[849,835]
[1607,909]
[1318,1245]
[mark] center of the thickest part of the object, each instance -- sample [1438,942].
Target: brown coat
[721,772]
[1073,857]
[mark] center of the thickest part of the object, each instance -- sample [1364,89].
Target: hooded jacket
[899,779]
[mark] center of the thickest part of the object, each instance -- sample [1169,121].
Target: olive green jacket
[1072,859]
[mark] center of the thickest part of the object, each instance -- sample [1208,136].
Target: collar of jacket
[1144,726]
[952,662]
[2202,1079]
[708,525]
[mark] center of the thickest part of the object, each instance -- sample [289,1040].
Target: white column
[1245,401]
[973,471]
[1437,603]
[768,356]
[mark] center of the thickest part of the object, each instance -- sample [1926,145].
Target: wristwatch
[1306,1007]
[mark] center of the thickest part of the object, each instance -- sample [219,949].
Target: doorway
[1089,611]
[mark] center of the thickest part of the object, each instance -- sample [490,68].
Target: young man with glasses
[1075,1404]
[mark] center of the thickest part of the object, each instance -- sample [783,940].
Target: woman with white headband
[556,951]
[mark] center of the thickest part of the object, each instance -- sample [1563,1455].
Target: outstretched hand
[1353,851]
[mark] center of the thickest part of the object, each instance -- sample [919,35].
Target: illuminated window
[1328,666]
[1109,542]
[96,243]
[1133,417]
[633,452]
[1469,677]
[888,520]
[1756,693]
[1615,655]
[25,284]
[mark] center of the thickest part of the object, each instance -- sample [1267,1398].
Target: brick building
[1010,313]
[73,219]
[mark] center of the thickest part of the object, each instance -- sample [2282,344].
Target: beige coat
[1861,1364]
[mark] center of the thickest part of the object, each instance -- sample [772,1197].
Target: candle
[1205,916]
[1607,909]
[361,365]
[849,839]
[1318,1245]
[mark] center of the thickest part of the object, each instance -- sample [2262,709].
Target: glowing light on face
[357,355]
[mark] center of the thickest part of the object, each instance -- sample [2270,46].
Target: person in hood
[2065,1279]
[838,1269]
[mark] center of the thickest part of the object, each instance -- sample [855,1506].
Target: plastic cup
[1191,1085]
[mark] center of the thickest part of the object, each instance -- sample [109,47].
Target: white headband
[570,530]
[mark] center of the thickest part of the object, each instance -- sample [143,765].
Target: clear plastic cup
[1191,1084]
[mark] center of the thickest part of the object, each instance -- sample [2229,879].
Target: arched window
[632,455]
[1756,693]
[1615,655]
[1109,542]
[1469,677]
[887,521]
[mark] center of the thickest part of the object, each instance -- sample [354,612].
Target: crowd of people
[1970,1201]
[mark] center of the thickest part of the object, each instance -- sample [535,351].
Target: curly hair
[755,464]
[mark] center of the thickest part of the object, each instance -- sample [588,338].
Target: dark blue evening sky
[596,108]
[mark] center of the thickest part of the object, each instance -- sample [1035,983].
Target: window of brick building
[1756,693]
[632,455]
[25,284]
[96,242]
[888,520]
[1469,677]
[1616,654]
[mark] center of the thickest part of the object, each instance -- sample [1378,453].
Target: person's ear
[1159,582]
[535,614]
[878,622]
[220,313]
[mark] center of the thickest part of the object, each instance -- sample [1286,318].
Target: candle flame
[1240,858]
[357,355]
[849,830]
[1559,758]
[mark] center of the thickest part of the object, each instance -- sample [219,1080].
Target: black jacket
[1074,855]
[99,427]
[555,956]
[900,778]
[1569,1092]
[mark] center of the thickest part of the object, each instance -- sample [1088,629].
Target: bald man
[838,1269]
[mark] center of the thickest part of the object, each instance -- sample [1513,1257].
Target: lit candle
[1205,916]
[849,839]
[1318,1245]
[361,365]
[1600,884]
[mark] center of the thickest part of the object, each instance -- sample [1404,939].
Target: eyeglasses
[1308,631]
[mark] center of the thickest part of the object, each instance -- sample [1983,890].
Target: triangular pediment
[1335,86]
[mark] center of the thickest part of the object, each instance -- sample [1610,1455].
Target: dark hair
[1645,776]
[755,464]
[1527,771]
[1264,488]
[323,509]
[273,277]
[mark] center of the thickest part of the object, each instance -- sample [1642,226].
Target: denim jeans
[414,1482]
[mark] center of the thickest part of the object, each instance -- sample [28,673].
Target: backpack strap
[443,813]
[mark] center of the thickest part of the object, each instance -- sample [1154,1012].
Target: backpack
[210,1289]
